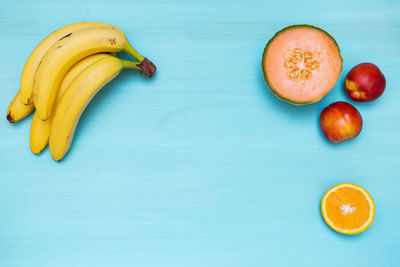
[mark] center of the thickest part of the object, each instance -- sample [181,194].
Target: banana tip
[56,158]
[36,152]
[147,68]
[10,118]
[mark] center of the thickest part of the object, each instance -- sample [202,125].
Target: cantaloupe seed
[300,64]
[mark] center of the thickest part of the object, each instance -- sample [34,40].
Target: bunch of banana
[62,75]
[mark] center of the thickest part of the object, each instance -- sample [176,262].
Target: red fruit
[340,121]
[365,82]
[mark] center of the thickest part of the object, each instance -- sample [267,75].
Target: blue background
[201,165]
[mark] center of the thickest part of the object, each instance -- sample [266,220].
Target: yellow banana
[16,110]
[78,68]
[75,99]
[39,134]
[70,49]
[28,74]
[40,130]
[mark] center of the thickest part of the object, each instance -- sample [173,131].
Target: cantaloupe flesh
[322,80]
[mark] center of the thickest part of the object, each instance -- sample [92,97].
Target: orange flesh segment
[348,208]
[358,208]
[322,79]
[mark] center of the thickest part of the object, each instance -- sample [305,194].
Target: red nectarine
[340,121]
[365,82]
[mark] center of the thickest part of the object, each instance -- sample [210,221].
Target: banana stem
[130,64]
[132,51]
[146,67]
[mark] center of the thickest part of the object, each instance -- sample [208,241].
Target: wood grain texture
[201,165]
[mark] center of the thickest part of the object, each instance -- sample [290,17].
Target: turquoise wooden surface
[202,165]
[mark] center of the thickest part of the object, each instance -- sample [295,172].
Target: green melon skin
[265,53]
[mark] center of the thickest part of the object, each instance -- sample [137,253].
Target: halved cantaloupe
[301,64]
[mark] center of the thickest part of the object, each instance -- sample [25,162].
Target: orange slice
[348,208]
